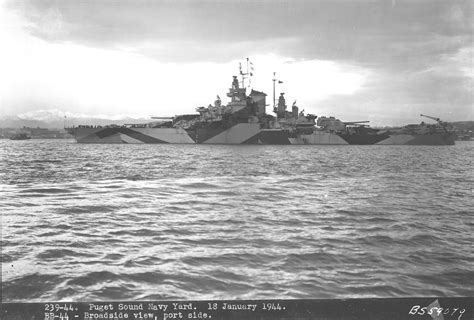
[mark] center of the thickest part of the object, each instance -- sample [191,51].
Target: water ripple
[107,222]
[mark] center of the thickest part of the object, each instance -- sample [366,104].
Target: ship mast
[274,90]
[249,71]
[274,99]
[244,74]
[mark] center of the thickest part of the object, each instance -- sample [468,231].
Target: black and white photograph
[236,159]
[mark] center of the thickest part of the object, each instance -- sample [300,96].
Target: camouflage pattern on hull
[318,137]
[435,139]
[129,135]
[364,139]
[241,133]
[246,133]
[238,134]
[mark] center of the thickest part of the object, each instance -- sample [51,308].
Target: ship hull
[242,133]
[119,135]
[246,133]
[434,139]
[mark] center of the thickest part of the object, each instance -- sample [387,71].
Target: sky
[382,61]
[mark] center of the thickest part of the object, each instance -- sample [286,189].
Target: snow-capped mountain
[54,118]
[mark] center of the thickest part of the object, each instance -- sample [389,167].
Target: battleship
[244,120]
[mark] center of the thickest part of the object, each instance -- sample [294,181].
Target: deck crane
[441,123]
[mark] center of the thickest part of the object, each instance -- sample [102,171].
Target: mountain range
[55,119]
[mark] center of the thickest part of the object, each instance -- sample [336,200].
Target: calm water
[109,222]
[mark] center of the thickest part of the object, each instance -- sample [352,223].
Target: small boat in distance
[20,136]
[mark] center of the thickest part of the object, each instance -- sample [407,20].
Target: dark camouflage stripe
[106,132]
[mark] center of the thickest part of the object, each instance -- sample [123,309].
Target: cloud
[387,98]
[40,74]
[365,31]
[387,59]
